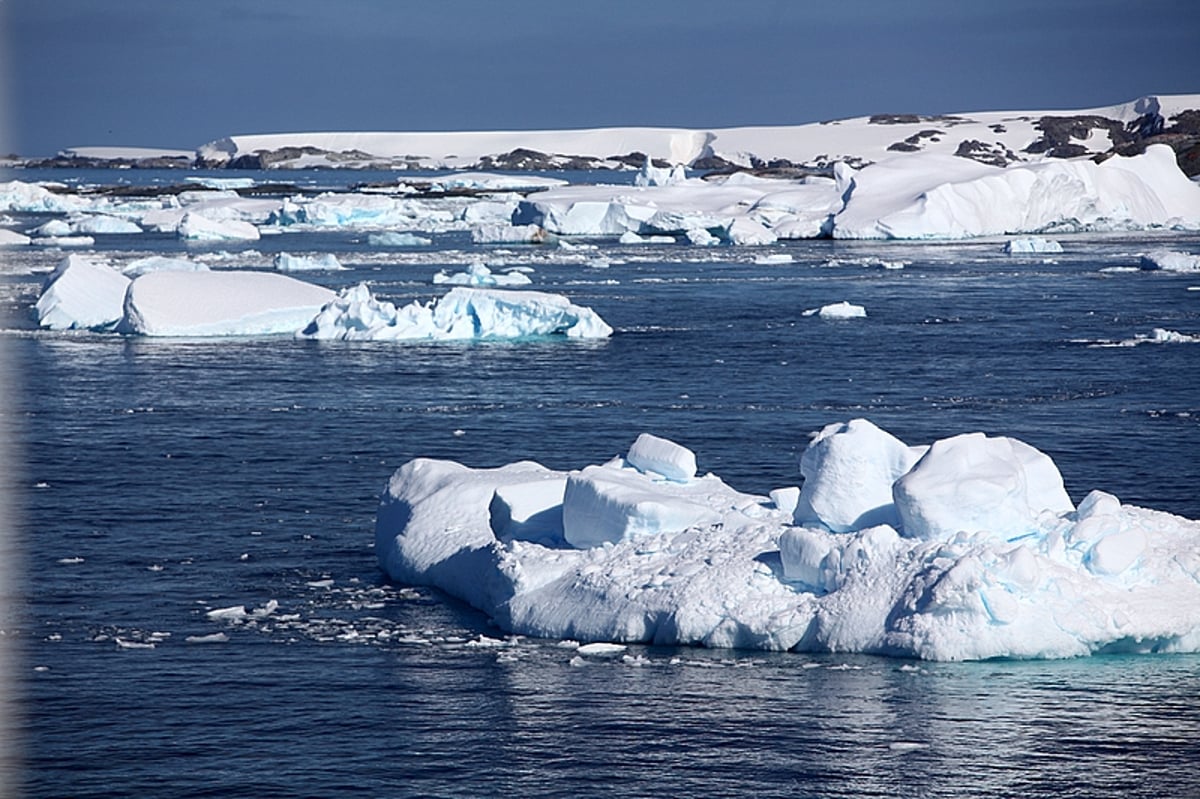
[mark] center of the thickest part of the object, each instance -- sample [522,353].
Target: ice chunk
[746,231]
[393,239]
[1032,244]
[464,313]
[160,263]
[786,499]
[510,234]
[838,310]
[849,469]
[11,238]
[1171,261]
[32,198]
[195,227]
[530,511]
[603,504]
[480,275]
[326,262]
[171,303]
[102,224]
[973,483]
[81,293]
[701,238]
[651,175]
[658,455]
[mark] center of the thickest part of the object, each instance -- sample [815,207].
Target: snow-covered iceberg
[907,196]
[967,549]
[81,293]
[208,303]
[462,314]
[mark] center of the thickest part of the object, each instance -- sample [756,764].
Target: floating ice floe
[838,310]
[1170,261]
[967,549]
[326,262]
[462,314]
[1158,335]
[510,234]
[33,198]
[1032,244]
[394,239]
[481,275]
[195,227]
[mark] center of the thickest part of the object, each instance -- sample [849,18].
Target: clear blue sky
[178,73]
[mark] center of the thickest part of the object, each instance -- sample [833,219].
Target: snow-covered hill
[993,137]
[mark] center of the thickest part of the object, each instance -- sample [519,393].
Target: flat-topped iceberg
[208,303]
[462,314]
[967,549]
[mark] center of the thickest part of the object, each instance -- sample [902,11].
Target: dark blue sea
[156,480]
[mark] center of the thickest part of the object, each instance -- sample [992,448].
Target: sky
[179,73]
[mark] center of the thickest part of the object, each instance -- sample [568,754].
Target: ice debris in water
[966,549]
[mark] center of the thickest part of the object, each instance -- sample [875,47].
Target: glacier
[965,549]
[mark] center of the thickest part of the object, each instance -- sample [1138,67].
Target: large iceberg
[967,549]
[208,303]
[907,196]
[462,314]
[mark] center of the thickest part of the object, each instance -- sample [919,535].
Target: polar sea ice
[966,549]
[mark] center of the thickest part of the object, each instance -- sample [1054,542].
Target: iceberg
[160,263]
[510,234]
[81,293]
[462,314]
[1170,261]
[1032,244]
[393,239]
[964,550]
[327,262]
[195,227]
[208,303]
[838,310]
[480,275]
[11,238]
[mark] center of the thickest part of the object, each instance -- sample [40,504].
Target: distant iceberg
[965,550]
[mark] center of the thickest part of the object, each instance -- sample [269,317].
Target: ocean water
[159,480]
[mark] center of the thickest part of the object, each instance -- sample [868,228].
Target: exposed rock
[995,154]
